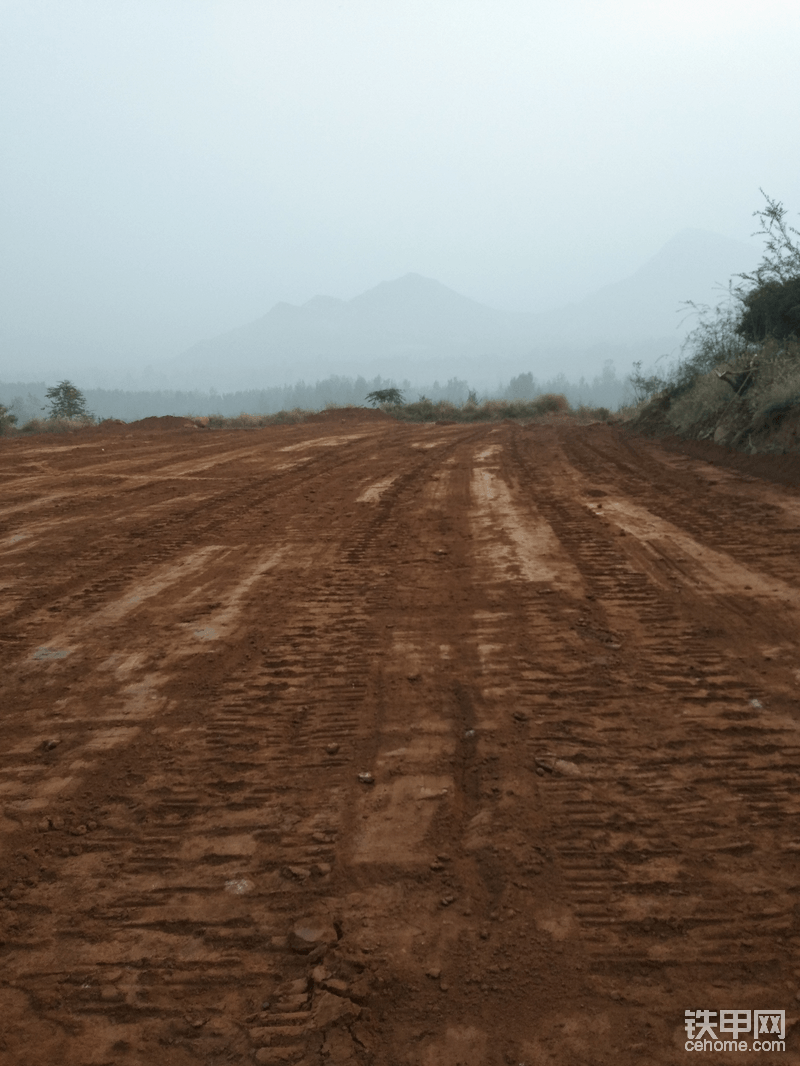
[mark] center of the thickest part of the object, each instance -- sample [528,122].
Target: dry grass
[631,410]
[777,383]
[56,425]
[709,407]
[245,421]
[424,410]
[705,400]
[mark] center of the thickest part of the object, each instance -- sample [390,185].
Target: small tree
[522,387]
[385,396]
[781,260]
[644,388]
[67,401]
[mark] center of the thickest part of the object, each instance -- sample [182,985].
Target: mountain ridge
[414,324]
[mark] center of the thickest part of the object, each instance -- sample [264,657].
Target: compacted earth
[356,742]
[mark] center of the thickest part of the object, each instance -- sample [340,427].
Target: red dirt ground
[567,657]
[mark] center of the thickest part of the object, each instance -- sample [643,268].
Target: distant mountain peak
[323,302]
[692,239]
[414,293]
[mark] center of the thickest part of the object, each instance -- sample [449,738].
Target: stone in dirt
[310,933]
[329,1008]
[335,985]
[567,768]
[293,988]
[296,873]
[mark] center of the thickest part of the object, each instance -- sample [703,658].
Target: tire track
[676,732]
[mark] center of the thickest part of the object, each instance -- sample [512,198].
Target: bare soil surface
[361,742]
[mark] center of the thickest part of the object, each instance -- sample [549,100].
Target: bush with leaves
[771,310]
[715,341]
[388,397]
[7,419]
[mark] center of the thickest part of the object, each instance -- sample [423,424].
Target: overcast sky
[172,168]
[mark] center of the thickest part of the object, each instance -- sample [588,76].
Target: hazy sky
[172,168]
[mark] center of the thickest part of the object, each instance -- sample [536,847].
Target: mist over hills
[416,328]
[419,328]
[411,327]
[694,265]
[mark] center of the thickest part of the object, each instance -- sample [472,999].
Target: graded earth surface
[356,742]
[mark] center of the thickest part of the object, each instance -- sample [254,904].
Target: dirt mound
[350,414]
[158,422]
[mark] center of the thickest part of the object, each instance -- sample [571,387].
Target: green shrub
[7,420]
[385,396]
[771,310]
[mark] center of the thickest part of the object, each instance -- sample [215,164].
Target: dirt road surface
[567,660]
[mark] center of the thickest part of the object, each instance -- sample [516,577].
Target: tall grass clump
[426,410]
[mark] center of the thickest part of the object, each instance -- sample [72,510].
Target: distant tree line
[25,400]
